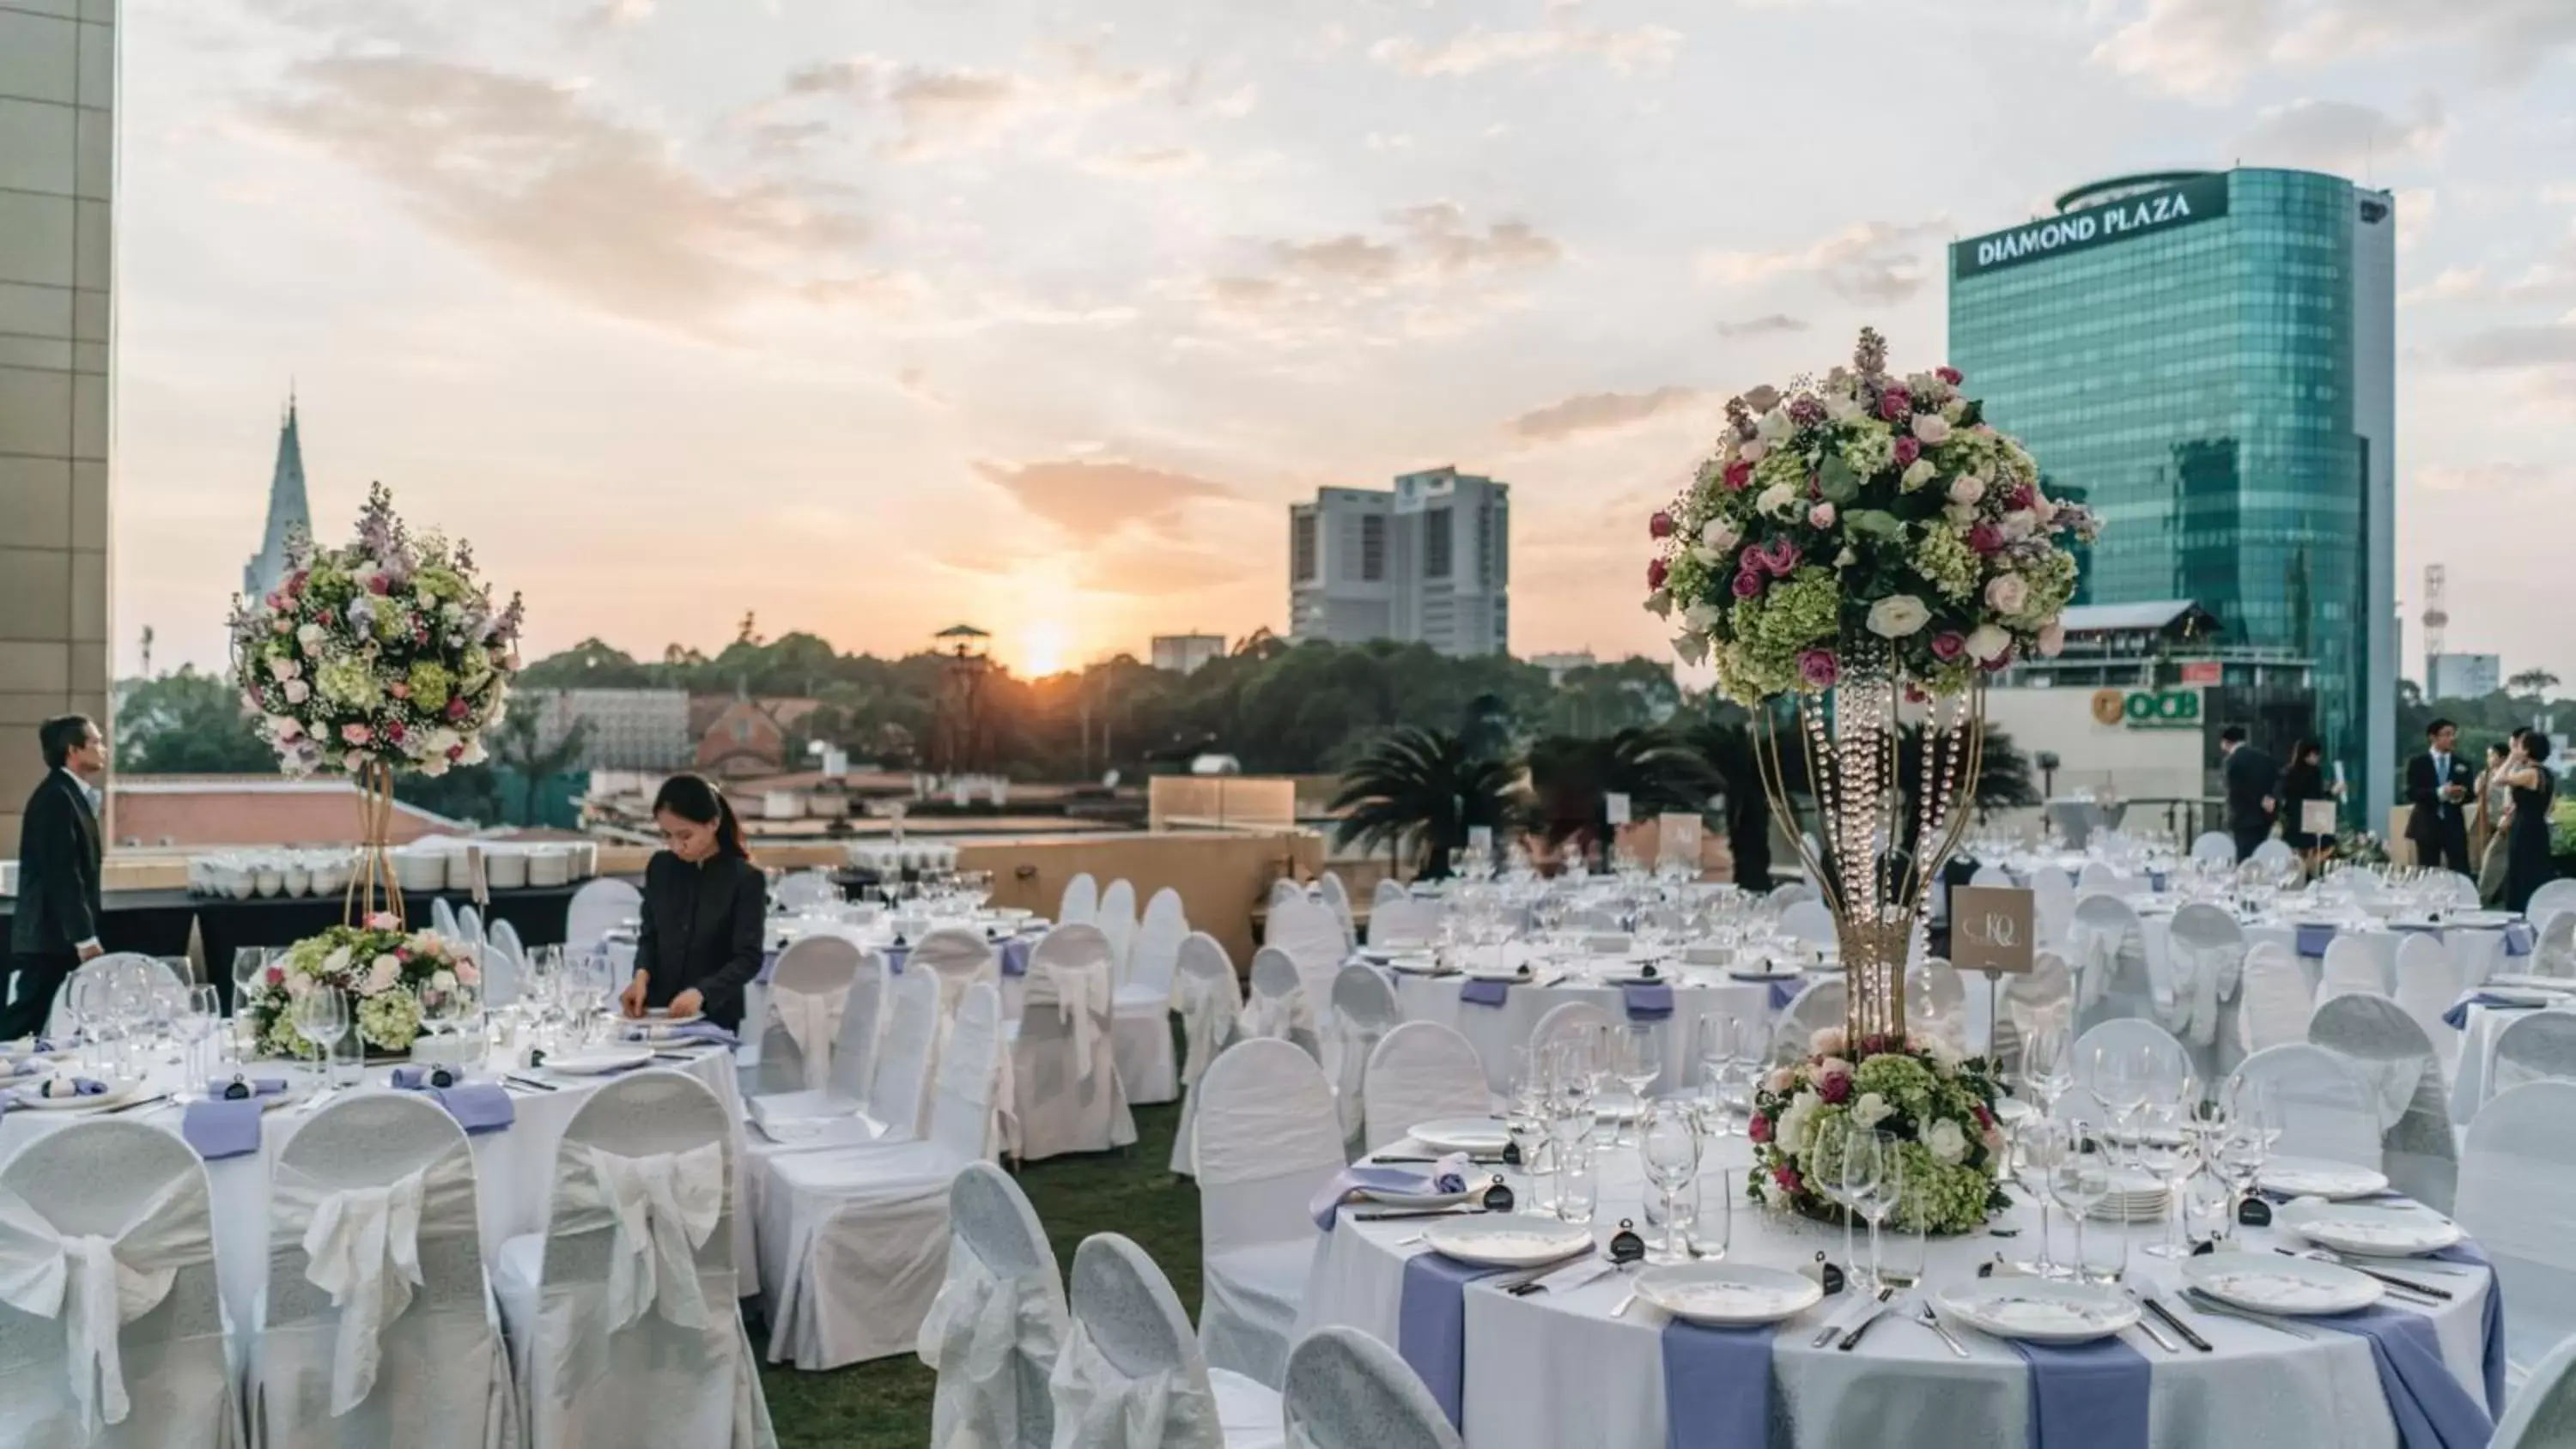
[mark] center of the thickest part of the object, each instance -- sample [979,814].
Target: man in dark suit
[57,921]
[2437,785]
[2250,778]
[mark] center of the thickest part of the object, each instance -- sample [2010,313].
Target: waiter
[2248,774]
[56,927]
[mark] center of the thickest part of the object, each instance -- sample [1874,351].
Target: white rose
[1795,1120]
[282,727]
[442,980]
[1774,1196]
[1846,559]
[2017,524]
[1754,452]
[1966,490]
[1961,514]
[1947,1143]
[1870,1110]
[1778,498]
[443,740]
[2051,640]
[297,691]
[473,755]
[1955,409]
[311,637]
[1988,641]
[281,667]
[1917,473]
[1660,603]
[1773,427]
[1898,616]
[382,973]
[1690,648]
[1842,407]
[335,963]
[2008,593]
[1717,535]
[1930,428]
[1702,617]
[434,766]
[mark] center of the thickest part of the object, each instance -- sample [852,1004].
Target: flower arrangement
[385,652]
[1867,504]
[1939,1105]
[383,969]
[2358,847]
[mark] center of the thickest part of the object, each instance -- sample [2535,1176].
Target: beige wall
[57,148]
[1221,876]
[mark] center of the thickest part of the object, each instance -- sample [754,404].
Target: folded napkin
[259,1086]
[1015,957]
[704,1033]
[2457,1018]
[2519,938]
[1431,1326]
[2156,881]
[218,1128]
[2315,936]
[1717,1386]
[1648,1000]
[2470,1254]
[2433,1410]
[2087,1395]
[476,1106]
[1485,991]
[81,1087]
[1449,1174]
[1784,992]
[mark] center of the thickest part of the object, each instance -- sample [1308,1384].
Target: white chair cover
[597,908]
[1211,1000]
[1154,958]
[1286,888]
[837,1113]
[1990,875]
[2205,967]
[2352,964]
[1280,1005]
[959,958]
[2274,853]
[2123,1034]
[2277,1001]
[1064,1067]
[378,1327]
[1809,922]
[1565,1017]
[1308,933]
[442,916]
[111,1326]
[1081,900]
[1364,1011]
[1422,1071]
[58,1024]
[1267,1141]
[2042,996]
[1388,889]
[809,991]
[1143,1007]
[1404,921]
[2553,954]
[2517,1196]
[2540,1047]
[1337,897]
[1130,1377]
[2384,1047]
[505,936]
[2215,847]
[2052,904]
[2324,1110]
[2109,954]
[995,1330]
[469,925]
[1823,1004]
[853,1241]
[2553,897]
[1116,918]
[2543,1414]
[1346,1390]
[1789,893]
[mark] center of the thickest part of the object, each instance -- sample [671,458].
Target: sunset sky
[875,315]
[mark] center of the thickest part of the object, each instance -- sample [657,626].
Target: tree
[515,746]
[1575,778]
[1418,792]
[1724,742]
[188,723]
[2533,682]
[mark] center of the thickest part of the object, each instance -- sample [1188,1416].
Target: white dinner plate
[2040,1310]
[2518,996]
[1765,975]
[661,1016]
[2319,1177]
[1415,965]
[2012,1109]
[24,1099]
[2484,920]
[1488,973]
[2270,1283]
[1461,1134]
[1507,1240]
[1398,1198]
[1728,1295]
[2550,987]
[2370,1229]
[599,1061]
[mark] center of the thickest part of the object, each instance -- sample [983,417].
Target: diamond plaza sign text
[2199,199]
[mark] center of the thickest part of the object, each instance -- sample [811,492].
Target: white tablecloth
[1549,1371]
[2475,1081]
[2476,952]
[1495,1030]
[514,1167]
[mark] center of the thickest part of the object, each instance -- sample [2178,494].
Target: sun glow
[1043,647]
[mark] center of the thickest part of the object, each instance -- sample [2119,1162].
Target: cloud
[916,384]
[524,173]
[2487,479]
[1425,272]
[1146,162]
[2204,50]
[2451,284]
[1091,501]
[2541,344]
[1871,261]
[1768,322]
[1595,411]
[612,14]
[855,77]
[2197,49]
[2340,135]
[1478,49]
[936,112]
[953,110]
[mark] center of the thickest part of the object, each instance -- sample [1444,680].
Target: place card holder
[1498,1198]
[536,1057]
[442,1077]
[1824,1274]
[1512,1154]
[2002,1267]
[237,1090]
[2254,1212]
[1647,972]
[1625,1246]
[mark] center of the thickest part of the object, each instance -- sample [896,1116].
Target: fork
[2201,1302]
[1931,1320]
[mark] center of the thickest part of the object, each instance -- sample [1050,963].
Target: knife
[1409,1214]
[2176,1324]
[1875,1314]
[533,1086]
[1827,1334]
[130,1106]
[2391,1279]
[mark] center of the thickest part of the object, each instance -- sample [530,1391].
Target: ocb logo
[2108,706]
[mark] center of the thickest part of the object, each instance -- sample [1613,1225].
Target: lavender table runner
[1717,1386]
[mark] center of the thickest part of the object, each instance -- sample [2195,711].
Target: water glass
[1879,1195]
[320,1017]
[1668,1145]
[1578,1186]
[2080,1183]
[349,1058]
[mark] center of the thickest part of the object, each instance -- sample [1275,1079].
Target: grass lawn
[886,1404]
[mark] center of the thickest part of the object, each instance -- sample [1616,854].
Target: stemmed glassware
[2046,1072]
[2081,1181]
[1639,1063]
[250,969]
[2166,1150]
[1878,1193]
[2040,1146]
[1854,1176]
[321,1017]
[2122,1077]
[1668,1142]
[200,1014]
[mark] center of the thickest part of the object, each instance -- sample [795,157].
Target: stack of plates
[2135,1198]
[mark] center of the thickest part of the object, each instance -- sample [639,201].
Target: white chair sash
[812,1020]
[1099,1407]
[1207,1015]
[1082,995]
[96,1284]
[2197,989]
[662,1207]
[1279,1016]
[968,1337]
[362,1246]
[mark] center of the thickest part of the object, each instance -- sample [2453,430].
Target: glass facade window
[1436,543]
[1373,547]
[1301,546]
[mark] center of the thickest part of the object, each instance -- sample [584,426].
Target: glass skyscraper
[2207,359]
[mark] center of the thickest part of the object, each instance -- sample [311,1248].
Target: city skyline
[1073,310]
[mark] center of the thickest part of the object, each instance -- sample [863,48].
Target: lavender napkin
[2086,1395]
[1015,956]
[1648,1000]
[476,1106]
[2473,1256]
[1485,991]
[2457,1018]
[1783,993]
[220,1129]
[1431,1326]
[2433,1410]
[2314,937]
[2518,938]
[1717,1386]
[1326,1205]
[702,1033]
[81,1086]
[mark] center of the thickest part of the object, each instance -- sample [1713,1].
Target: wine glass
[250,969]
[1640,1060]
[2040,1144]
[2166,1150]
[200,1011]
[2121,1075]
[321,1017]
[2081,1182]
[1715,1041]
[2046,1070]
[1855,1177]
[1668,1143]
[1880,1196]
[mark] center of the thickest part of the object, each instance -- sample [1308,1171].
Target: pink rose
[2052,638]
[1787,1177]
[1998,662]
[456,703]
[455,752]
[383,921]
[467,975]
[1660,526]
[281,626]
[275,601]
[1949,374]
[1748,581]
[1835,1089]
[1821,516]
[398,690]
[1738,474]
[295,582]
[1948,645]
[275,976]
[379,584]
[1818,668]
[1779,557]
[1985,538]
[2022,496]
[1907,450]
[511,662]
[1759,1129]
[1894,404]
[356,734]
[1656,569]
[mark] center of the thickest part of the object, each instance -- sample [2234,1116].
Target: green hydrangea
[348,682]
[390,1020]
[430,684]
[439,583]
[1780,465]
[1905,1082]
[1868,449]
[1947,563]
[1798,612]
[1938,1198]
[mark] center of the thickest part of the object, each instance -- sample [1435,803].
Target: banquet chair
[2539,1047]
[1267,1140]
[960,958]
[469,925]
[1279,1006]
[1143,1004]
[1389,889]
[1065,1086]
[1211,1001]
[2099,876]
[601,905]
[2517,1196]
[609,1345]
[2215,847]
[2351,964]
[2276,1001]
[506,936]
[1989,874]
[2553,950]
[442,917]
[2464,890]
[1131,1377]
[994,1331]
[2052,907]
[2204,970]
[809,992]
[158,973]
[1422,1072]
[2043,996]
[854,1240]
[1817,1006]
[2323,1108]
[1346,1390]
[1116,918]
[1286,888]
[1565,1017]
[1081,900]
[2128,1033]
[1404,921]
[1936,1002]
[2274,853]
[837,1112]
[1364,1011]
[389,1335]
[806,889]
[2552,897]
[1337,897]
[161,1375]
[2392,1056]
[2109,954]
[2424,992]
[1311,935]
[1808,922]
[1791,893]
[2542,1415]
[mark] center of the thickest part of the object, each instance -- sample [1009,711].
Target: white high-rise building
[2464,676]
[1428,561]
[1186,653]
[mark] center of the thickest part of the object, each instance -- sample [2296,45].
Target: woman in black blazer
[705,905]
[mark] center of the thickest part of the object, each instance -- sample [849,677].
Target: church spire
[288,513]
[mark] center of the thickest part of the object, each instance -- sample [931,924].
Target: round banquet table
[2476,952]
[2475,1081]
[513,1166]
[1551,1370]
[1698,991]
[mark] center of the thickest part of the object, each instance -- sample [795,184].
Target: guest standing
[2527,865]
[2249,776]
[2490,828]
[56,926]
[2303,781]
[2437,785]
[705,905]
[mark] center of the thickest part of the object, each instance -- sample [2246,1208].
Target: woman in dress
[2488,827]
[2527,865]
[705,905]
[2302,781]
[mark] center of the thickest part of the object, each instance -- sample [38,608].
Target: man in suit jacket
[57,921]
[2250,778]
[2437,785]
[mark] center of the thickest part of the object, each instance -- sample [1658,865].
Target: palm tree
[515,746]
[1415,790]
[1724,742]
[1574,778]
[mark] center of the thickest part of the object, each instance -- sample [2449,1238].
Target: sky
[871,316]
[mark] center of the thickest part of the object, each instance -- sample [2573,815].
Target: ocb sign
[2148,709]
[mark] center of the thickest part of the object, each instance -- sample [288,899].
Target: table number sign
[2317,817]
[1677,838]
[1616,806]
[1480,840]
[1991,929]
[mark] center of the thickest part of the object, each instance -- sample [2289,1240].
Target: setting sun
[1042,648]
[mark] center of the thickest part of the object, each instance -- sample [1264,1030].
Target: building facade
[288,512]
[2463,676]
[58,73]
[1428,561]
[2208,359]
[1187,653]
[622,729]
